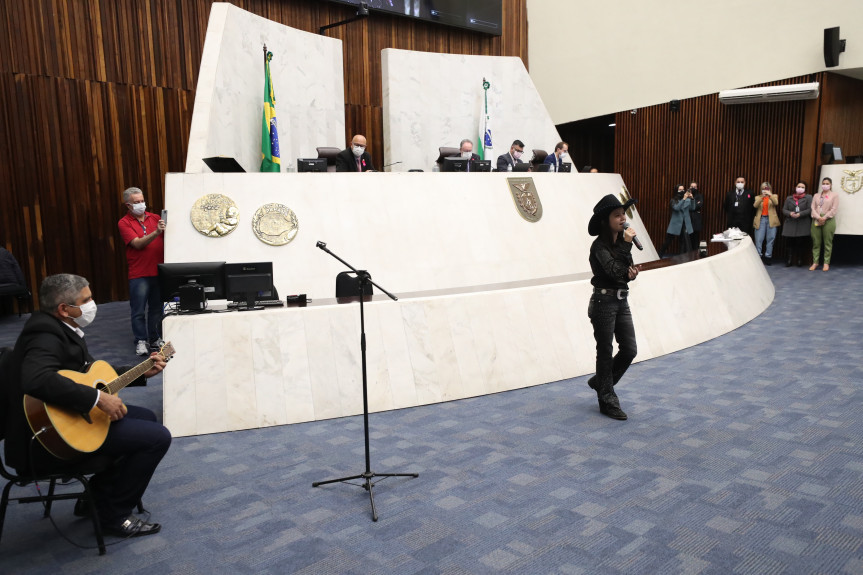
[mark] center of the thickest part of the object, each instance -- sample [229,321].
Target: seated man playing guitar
[51,341]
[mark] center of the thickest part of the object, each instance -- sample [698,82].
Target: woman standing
[608,310]
[766,221]
[798,220]
[681,205]
[824,206]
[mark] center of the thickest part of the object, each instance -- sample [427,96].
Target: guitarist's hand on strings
[158,364]
[112,405]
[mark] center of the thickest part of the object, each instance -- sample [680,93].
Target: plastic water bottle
[509,167]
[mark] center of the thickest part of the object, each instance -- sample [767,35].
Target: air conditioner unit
[770,94]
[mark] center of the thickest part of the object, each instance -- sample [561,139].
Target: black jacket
[610,265]
[347,162]
[44,347]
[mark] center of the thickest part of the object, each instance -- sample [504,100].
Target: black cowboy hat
[602,209]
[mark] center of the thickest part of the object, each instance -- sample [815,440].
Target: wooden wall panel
[656,149]
[842,114]
[97,95]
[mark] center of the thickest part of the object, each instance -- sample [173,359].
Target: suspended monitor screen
[480,15]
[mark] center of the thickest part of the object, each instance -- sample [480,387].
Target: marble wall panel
[307,75]
[432,100]
[412,231]
[432,349]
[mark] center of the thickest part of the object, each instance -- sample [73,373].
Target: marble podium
[488,301]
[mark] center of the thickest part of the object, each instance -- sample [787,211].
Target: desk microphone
[393,164]
[635,240]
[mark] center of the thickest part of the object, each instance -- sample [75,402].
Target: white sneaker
[141,348]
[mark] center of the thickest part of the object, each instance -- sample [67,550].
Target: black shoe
[132,527]
[612,411]
[609,405]
[788,263]
[591,383]
[81,508]
[768,261]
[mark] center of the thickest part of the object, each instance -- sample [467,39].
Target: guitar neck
[122,381]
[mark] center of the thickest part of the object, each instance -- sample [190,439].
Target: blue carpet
[741,455]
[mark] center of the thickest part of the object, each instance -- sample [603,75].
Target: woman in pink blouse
[824,205]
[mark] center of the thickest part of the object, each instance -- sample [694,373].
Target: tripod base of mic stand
[368,484]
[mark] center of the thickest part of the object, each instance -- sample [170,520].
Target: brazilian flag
[270,157]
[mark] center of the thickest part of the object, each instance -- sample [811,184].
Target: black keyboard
[259,303]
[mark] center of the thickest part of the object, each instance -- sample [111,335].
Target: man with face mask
[506,162]
[145,250]
[560,155]
[53,340]
[355,158]
[739,207]
[465,149]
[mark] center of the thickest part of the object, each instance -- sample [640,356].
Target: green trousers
[823,234]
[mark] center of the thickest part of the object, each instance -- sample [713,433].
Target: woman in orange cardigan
[766,221]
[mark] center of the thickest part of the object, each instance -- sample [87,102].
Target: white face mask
[517,154]
[801,190]
[139,208]
[739,186]
[564,156]
[358,150]
[88,314]
[466,155]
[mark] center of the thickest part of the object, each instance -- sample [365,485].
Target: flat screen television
[210,275]
[247,283]
[454,164]
[480,15]
[311,164]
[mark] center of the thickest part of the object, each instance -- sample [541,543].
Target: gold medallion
[853,182]
[215,215]
[526,199]
[275,224]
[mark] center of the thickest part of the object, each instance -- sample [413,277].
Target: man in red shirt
[145,250]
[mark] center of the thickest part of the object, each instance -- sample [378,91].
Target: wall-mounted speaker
[674,105]
[833,46]
[827,149]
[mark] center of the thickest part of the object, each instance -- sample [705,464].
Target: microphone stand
[364,279]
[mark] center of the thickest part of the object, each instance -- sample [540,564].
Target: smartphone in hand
[164,217]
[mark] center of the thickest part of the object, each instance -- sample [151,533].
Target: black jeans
[611,318]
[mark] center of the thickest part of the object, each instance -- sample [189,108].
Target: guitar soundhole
[101,385]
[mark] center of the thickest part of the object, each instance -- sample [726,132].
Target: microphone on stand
[635,240]
[393,164]
[321,245]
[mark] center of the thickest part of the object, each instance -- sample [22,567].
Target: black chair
[330,154]
[78,472]
[12,283]
[347,285]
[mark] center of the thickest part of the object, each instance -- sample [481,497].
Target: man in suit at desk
[355,158]
[506,162]
[465,148]
[556,159]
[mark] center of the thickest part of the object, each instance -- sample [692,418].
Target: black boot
[609,405]
[790,259]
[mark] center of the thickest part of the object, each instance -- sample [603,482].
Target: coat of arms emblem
[525,197]
[853,182]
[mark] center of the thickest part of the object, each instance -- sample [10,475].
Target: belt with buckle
[620,293]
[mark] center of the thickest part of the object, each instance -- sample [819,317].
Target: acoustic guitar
[66,433]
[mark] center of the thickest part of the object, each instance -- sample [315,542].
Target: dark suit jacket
[473,158]
[44,347]
[347,162]
[553,160]
[740,216]
[505,160]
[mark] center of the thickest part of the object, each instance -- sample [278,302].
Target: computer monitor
[454,164]
[246,283]
[565,167]
[209,275]
[311,164]
[542,167]
[521,167]
[481,166]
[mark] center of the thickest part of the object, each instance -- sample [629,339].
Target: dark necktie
[359,166]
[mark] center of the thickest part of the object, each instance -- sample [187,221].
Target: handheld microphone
[635,240]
